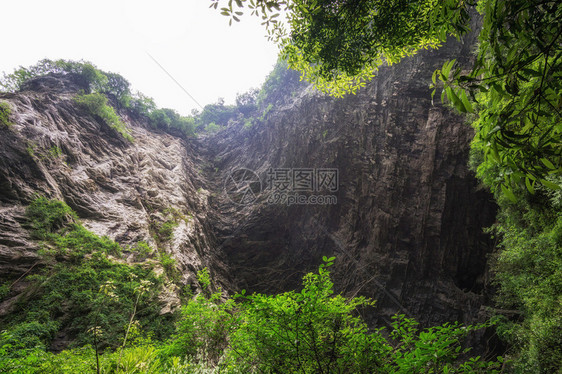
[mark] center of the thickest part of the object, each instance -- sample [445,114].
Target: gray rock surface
[407,226]
[125,190]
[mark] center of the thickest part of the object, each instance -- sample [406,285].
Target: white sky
[194,43]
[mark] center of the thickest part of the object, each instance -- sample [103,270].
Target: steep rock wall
[125,190]
[407,226]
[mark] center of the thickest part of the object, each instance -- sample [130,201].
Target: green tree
[206,322]
[515,89]
[515,84]
[246,102]
[217,113]
[316,331]
[339,45]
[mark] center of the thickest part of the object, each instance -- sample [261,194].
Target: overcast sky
[192,42]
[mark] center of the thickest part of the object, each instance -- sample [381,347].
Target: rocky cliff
[125,190]
[407,225]
[404,216]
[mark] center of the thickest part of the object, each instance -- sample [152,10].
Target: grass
[5,113]
[97,105]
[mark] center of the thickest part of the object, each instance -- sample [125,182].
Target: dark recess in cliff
[407,226]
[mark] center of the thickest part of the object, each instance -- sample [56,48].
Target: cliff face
[125,190]
[406,228]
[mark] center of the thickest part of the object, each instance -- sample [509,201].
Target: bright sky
[192,42]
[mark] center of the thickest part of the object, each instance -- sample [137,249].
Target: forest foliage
[512,96]
[110,310]
[108,96]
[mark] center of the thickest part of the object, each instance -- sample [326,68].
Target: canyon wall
[405,222]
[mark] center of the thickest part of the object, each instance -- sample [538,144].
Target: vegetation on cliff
[87,293]
[83,284]
[102,92]
[109,311]
[5,112]
[107,95]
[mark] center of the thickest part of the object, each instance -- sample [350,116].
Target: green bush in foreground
[311,331]
[110,311]
[315,331]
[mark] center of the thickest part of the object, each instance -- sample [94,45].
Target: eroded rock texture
[125,190]
[407,226]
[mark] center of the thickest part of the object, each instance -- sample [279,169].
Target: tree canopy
[514,86]
[339,45]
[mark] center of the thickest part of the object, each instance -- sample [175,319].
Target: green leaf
[457,103]
[508,193]
[529,186]
[466,102]
[447,66]
[548,164]
[549,184]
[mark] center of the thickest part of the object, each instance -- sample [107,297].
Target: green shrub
[4,290]
[141,359]
[169,120]
[77,241]
[212,128]
[90,290]
[32,334]
[54,152]
[169,265]
[96,104]
[315,331]
[5,113]
[48,216]
[143,250]
[528,272]
[202,333]
[166,230]
[55,222]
